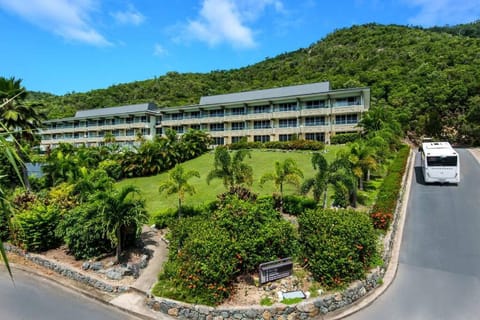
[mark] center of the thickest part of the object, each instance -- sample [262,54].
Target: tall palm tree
[21,119]
[178,183]
[121,211]
[285,172]
[231,168]
[319,183]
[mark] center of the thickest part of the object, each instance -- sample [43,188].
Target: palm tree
[22,120]
[362,160]
[121,211]
[285,172]
[231,168]
[319,183]
[178,183]
[344,176]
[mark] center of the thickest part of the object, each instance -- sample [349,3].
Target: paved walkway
[134,300]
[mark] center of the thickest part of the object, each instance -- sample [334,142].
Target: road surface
[34,298]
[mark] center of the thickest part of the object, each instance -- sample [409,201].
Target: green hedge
[281,145]
[384,208]
[337,245]
[292,204]
[343,138]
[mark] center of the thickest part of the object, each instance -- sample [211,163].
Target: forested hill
[430,77]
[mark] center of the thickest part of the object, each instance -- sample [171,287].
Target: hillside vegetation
[430,77]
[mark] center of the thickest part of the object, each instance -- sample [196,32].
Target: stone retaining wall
[304,310]
[66,271]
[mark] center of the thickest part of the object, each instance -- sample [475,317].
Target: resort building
[310,112]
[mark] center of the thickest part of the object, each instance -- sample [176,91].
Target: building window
[316,136]
[287,123]
[216,127]
[218,141]
[158,131]
[178,129]
[315,121]
[146,131]
[238,125]
[290,106]
[194,114]
[130,133]
[314,104]
[285,137]
[177,116]
[345,102]
[263,138]
[237,111]
[261,109]
[158,120]
[346,119]
[216,113]
[262,124]
[195,126]
[237,139]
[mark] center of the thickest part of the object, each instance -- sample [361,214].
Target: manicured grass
[262,161]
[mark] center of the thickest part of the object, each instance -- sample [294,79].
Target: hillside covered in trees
[429,77]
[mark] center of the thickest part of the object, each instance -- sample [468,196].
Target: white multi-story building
[310,112]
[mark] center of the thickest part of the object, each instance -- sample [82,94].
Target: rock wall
[66,271]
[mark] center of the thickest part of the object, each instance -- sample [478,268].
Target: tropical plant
[178,183]
[231,168]
[121,212]
[21,119]
[337,245]
[285,172]
[319,183]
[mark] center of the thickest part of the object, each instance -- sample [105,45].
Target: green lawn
[262,161]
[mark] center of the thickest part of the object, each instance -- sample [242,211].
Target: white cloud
[159,50]
[442,12]
[129,16]
[68,18]
[226,21]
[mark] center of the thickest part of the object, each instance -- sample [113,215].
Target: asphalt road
[439,264]
[33,298]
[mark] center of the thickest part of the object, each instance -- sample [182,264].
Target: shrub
[384,208]
[164,218]
[83,232]
[4,221]
[282,145]
[112,168]
[295,205]
[343,138]
[212,251]
[337,245]
[34,228]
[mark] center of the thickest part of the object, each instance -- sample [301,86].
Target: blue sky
[62,46]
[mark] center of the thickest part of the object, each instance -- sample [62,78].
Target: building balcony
[348,109]
[346,127]
[315,112]
[313,129]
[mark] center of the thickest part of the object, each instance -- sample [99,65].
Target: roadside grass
[262,161]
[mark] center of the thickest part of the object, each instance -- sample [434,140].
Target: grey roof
[134,108]
[298,90]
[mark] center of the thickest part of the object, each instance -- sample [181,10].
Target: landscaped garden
[225,210]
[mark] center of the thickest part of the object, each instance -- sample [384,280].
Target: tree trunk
[179,208]
[119,244]
[325,199]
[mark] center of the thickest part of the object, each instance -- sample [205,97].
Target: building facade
[310,112]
